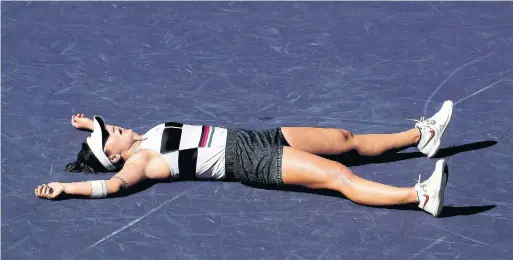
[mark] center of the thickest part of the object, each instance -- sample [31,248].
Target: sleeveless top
[191,151]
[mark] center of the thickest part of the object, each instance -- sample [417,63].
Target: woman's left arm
[79,121]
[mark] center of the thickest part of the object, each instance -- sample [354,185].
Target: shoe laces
[421,185]
[424,121]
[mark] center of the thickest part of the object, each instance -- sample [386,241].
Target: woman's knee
[340,175]
[346,135]
[347,140]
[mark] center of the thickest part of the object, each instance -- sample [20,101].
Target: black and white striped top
[191,151]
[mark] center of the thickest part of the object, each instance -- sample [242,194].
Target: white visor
[95,142]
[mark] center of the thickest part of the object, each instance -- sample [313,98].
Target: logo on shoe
[425,201]
[431,135]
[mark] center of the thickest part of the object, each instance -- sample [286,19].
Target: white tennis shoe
[432,129]
[431,191]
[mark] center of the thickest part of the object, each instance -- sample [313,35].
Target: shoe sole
[437,144]
[441,165]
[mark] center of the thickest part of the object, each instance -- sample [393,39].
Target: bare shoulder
[140,158]
[155,167]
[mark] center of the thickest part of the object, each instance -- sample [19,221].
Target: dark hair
[88,163]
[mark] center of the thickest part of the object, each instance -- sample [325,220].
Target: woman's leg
[312,171]
[426,135]
[330,141]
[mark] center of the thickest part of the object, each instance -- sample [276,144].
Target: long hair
[88,163]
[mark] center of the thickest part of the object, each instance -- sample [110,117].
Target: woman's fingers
[75,118]
[43,191]
[38,190]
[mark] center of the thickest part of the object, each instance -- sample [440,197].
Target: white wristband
[98,189]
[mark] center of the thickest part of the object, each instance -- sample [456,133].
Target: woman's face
[120,140]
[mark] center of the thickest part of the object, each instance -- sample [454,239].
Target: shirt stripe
[211,136]
[187,163]
[170,139]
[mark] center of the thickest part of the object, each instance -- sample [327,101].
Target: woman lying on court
[281,156]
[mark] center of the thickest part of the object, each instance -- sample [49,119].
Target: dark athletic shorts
[255,157]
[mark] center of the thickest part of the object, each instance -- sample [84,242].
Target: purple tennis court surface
[366,67]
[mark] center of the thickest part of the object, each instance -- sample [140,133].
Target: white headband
[95,142]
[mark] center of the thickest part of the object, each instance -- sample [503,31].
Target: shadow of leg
[354,159]
[448,211]
[451,211]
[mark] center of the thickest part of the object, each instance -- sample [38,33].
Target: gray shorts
[255,157]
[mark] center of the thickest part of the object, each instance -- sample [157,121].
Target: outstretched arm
[84,123]
[132,173]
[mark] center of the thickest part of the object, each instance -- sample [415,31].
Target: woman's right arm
[132,173]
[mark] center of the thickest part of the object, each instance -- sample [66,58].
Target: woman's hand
[50,190]
[81,122]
